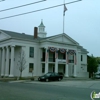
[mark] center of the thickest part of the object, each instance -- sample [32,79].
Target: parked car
[60,73]
[97,75]
[51,76]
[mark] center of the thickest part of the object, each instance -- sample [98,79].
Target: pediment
[3,35]
[63,38]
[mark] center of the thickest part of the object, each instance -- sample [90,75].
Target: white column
[46,60]
[12,62]
[75,65]
[66,69]
[7,61]
[0,61]
[56,61]
[3,61]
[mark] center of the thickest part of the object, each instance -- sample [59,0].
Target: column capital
[67,50]
[57,49]
[2,47]
[12,45]
[45,47]
[7,46]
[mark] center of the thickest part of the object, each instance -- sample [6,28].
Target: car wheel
[59,79]
[47,80]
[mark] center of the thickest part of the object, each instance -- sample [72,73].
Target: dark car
[97,75]
[60,73]
[50,77]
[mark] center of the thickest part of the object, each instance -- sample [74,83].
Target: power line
[22,6]
[38,10]
[2,0]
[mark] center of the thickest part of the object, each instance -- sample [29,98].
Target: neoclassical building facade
[59,53]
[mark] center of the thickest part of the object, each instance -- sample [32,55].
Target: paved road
[34,91]
[81,84]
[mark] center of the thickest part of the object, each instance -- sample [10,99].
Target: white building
[59,53]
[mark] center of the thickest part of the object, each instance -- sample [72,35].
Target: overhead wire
[22,5]
[2,0]
[38,10]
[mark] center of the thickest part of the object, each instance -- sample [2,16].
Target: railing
[50,60]
[59,60]
[71,61]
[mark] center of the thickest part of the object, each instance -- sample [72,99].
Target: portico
[7,58]
[58,60]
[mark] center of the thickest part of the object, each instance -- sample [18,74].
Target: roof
[82,49]
[31,37]
[20,35]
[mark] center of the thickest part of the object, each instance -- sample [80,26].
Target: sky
[82,20]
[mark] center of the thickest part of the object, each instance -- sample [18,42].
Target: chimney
[35,32]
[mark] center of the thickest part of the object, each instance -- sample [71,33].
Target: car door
[52,77]
[56,76]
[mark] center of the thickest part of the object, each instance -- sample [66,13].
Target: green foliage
[92,64]
[98,60]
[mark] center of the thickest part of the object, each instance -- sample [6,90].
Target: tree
[98,60]
[21,64]
[92,65]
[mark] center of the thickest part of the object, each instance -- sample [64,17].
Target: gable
[63,38]
[3,36]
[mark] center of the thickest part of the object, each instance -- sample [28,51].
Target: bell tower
[41,29]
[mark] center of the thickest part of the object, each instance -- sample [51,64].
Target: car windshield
[48,74]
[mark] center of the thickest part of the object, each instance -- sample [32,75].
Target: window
[43,68]
[81,57]
[31,52]
[31,67]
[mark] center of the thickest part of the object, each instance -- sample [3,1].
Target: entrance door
[61,68]
[71,70]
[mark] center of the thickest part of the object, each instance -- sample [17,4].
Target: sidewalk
[7,79]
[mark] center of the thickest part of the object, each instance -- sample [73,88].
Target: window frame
[43,68]
[31,69]
[31,53]
[81,57]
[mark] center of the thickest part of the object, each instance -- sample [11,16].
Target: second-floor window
[31,52]
[81,57]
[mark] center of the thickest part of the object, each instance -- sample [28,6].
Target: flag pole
[63,23]
[63,17]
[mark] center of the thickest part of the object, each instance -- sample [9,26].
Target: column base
[6,75]
[66,76]
[11,75]
[2,75]
[74,76]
